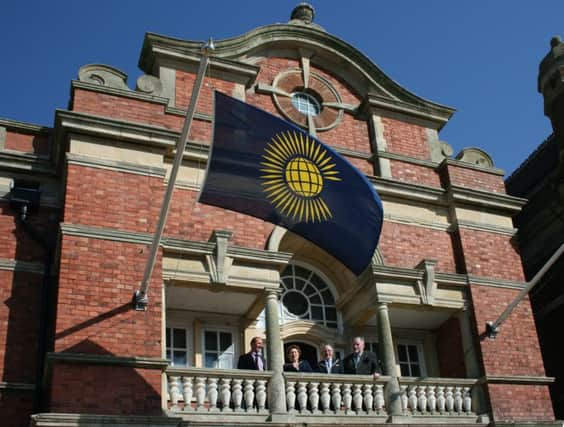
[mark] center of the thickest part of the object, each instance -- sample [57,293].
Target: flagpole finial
[208,47]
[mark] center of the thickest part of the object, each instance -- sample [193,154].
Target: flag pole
[492,328]
[140,297]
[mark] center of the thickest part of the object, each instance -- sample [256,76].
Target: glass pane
[210,340]
[301,272]
[315,299]
[225,361]
[413,356]
[210,360]
[373,347]
[317,282]
[179,338]
[309,290]
[332,324]
[168,354]
[415,371]
[224,341]
[168,337]
[327,297]
[295,303]
[287,271]
[287,283]
[300,284]
[402,353]
[330,313]
[179,358]
[404,370]
[316,313]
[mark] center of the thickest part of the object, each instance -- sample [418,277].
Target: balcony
[238,396]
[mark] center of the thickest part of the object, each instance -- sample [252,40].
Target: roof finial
[303,12]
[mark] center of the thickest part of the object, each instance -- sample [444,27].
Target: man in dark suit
[329,365]
[253,360]
[361,362]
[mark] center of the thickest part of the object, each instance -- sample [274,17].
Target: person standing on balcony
[253,360]
[361,362]
[296,365]
[329,365]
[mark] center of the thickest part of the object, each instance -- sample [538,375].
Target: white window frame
[217,329]
[189,343]
[420,354]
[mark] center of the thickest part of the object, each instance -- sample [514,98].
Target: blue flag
[263,166]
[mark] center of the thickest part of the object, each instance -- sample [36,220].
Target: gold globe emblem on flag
[293,172]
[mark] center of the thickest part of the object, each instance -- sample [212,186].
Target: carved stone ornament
[150,85]
[476,157]
[103,75]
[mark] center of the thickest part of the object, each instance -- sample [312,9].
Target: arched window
[305,295]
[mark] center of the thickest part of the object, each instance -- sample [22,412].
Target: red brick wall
[450,351]
[27,143]
[185,84]
[111,390]
[405,245]
[516,350]
[406,138]
[94,313]
[414,174]
[490,255]
[511,402]
[472,178]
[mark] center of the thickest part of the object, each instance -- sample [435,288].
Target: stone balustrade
[196,392]
[437,396]
[217,390]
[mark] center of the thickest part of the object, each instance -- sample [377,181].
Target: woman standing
[296,365]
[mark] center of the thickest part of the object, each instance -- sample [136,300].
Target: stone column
[386,347]
[276,388]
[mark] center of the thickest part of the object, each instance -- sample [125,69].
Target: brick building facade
[74,350]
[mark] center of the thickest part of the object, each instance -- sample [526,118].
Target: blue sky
[480,57]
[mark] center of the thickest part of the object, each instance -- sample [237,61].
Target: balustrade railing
[437,396]
[335,394]
[230,391]
[217,390]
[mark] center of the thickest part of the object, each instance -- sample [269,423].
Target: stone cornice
[483,227]
[25,127]
[405,159]
[516,379]
[174,245]
[497,283]
[25,163]
[453,162]
[115,165]
[67,420]
[434,118]
[127,93]
[295,36]
[107,360]
[17,386]
[405,190]
[181,112]
[22,266]
[487,199]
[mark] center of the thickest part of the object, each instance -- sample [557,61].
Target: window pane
[309,290]
[301,272]
[287,282]
[415,371]
[210,340]
[179,338]
[179,358]
[327,297]
[224,341]
[168,337]
[225,361]
[316,313]
[168,354]
[404,370]
[210,360]
[317,282]
[300,284]
[402,353]
[330,313]
[315,299]
[413,356]
[332,324]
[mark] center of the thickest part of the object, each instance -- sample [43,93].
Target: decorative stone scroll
[103,75]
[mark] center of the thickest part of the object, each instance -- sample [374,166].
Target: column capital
[272,292]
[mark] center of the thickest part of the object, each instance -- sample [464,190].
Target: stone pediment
[289,40]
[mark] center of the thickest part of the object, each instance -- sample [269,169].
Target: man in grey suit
[361,362]
[329,365]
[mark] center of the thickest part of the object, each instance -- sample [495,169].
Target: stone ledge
[22,266]
[516,379]
[107,360]
[115,165]
[17,386]
[91,420]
